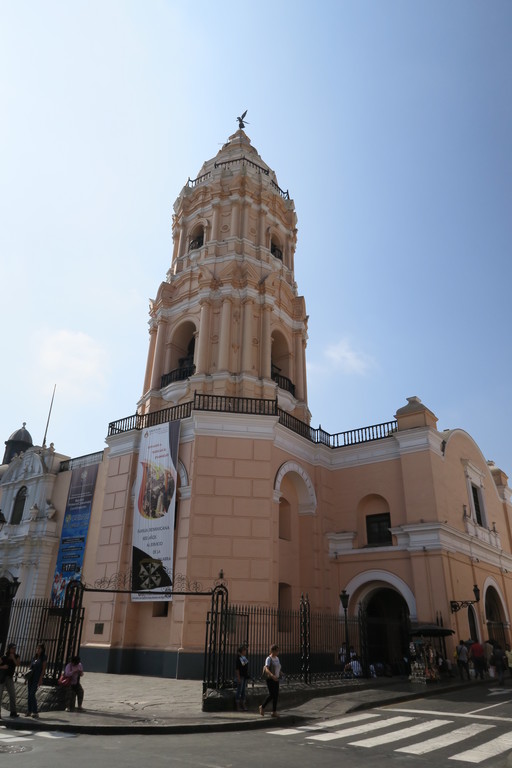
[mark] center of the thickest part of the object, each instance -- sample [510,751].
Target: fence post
[215,646]
[305,637]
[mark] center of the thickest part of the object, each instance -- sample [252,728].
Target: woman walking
[272,671]
[35,679]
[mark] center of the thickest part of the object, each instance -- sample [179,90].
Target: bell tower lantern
[228,319]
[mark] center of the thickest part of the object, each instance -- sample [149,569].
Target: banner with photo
[70,558]
[153,513]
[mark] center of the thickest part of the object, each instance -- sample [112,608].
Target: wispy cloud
[75,362]
[344,357]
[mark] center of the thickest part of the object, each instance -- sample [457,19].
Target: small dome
[18,442]
[21,436]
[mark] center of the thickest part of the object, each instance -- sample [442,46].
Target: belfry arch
[181,350]
[302,484]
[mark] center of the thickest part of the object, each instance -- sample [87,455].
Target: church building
[220,475]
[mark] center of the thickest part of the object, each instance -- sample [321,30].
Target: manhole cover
[13,748]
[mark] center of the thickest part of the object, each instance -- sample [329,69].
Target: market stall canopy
[430,630]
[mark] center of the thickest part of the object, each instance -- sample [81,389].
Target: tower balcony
[282,381]
[179,374]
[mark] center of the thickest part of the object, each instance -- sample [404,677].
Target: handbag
[64,681]
[28,675]
[3,676]
[266,674]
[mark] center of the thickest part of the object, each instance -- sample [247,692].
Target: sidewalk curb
[140,725]
[257,723]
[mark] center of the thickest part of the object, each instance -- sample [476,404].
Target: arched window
[276,250]
[196,238]
[19,506]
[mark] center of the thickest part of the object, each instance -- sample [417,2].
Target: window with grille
[377,530]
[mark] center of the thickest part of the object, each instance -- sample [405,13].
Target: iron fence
[256,407]
[309,642]
[57,626]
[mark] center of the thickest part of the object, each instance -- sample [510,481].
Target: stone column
[215,222]
[225,336]
[262,228]
[235,220]
[266,345]
[204,337]
[181,241]
[247,336]
[245,220]
[156,374]
[299,366]
[151,358]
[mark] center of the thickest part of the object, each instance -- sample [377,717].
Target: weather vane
[241,122]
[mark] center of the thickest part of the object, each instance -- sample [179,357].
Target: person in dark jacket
[241,676]
[8,664]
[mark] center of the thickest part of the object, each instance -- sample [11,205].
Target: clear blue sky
[390,122]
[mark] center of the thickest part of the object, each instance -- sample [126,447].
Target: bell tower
[228,319]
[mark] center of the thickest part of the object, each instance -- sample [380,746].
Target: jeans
[31,692]
[240,689]
[72,692]
[273,694]
[8,684]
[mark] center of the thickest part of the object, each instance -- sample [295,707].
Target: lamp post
[456,605]
[344,598]
[5,610]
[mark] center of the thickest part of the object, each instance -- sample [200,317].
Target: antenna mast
[49,414]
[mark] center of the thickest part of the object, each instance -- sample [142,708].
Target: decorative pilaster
[247,336]
[204,333]
[225,336]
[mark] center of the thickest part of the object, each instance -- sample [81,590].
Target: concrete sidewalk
[128,704]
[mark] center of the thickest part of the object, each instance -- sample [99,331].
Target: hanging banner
[70,558]
[154,509]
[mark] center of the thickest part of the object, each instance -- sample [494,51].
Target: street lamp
[344,598]
[13,587]
[456,605]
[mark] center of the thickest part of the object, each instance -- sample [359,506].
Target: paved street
[468,725]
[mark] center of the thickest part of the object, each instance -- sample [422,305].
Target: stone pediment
[24,466]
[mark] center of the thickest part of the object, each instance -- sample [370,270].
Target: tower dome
[18,442]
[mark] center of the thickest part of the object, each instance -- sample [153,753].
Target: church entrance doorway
[387,630]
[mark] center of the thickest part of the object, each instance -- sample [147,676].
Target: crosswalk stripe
[403,733]
[485,751]
[322,725]
[432,712]
[359,729]
[445,739]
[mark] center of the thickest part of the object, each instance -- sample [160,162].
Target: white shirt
[273,663]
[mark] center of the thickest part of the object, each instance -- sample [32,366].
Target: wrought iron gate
[58,626]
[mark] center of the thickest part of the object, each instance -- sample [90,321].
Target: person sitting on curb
[74,671]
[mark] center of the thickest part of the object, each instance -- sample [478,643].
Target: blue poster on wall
[73,538]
